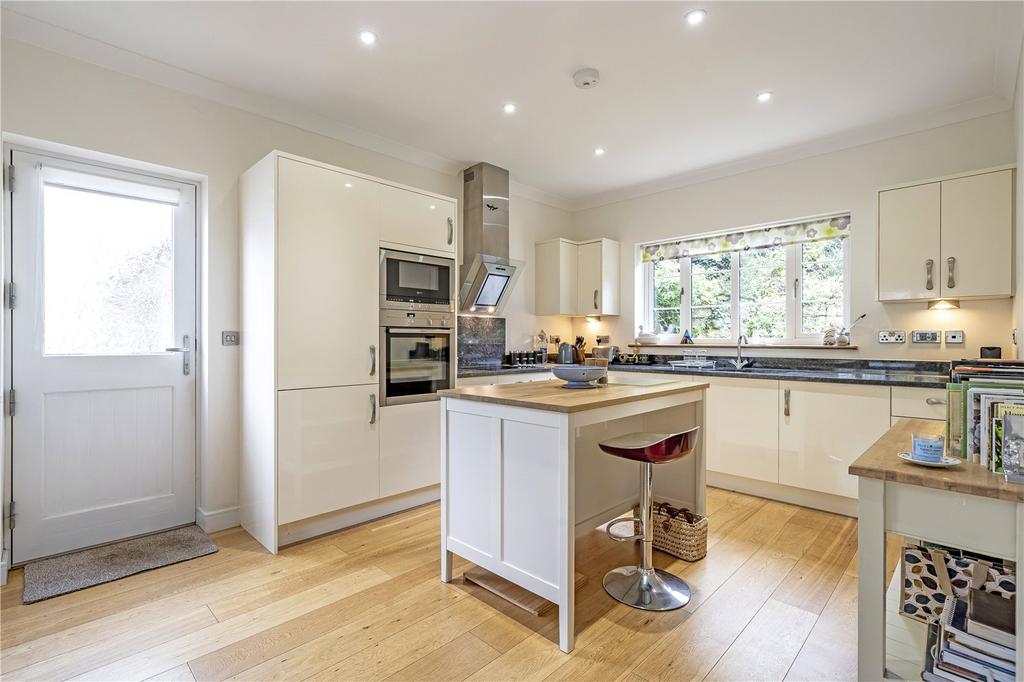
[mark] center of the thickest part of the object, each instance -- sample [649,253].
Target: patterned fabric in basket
[676,535]
[925,588]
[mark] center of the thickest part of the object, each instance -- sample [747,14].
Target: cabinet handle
[934,401]
[595,299]
[929,265]
[950,280]
[451,231]
[373,360]
[373,408]
[785,398]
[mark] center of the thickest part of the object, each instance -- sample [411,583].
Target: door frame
[14,142]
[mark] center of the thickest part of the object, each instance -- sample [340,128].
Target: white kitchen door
[103,332]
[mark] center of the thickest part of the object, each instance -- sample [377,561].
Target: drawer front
[919,403]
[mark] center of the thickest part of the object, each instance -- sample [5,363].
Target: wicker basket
[674,534]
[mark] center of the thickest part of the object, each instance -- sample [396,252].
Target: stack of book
[974,641]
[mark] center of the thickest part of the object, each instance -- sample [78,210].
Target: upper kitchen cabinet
[556,262]
[977,236]
[950,238]
[577,278]
[598,278]
[417,221]
[327,245]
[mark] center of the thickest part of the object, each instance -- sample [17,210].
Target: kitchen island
[522,474]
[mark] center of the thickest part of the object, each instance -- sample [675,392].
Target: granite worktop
[872,372]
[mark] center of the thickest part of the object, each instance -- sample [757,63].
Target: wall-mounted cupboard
[576,278]
[315,439]
[947,238]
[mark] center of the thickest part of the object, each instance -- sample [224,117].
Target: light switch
[229,338]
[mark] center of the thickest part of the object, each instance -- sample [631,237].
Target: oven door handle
[420,330]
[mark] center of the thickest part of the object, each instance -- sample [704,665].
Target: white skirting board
[218,519]
[328,523]
[847,506]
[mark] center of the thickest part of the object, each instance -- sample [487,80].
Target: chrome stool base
[648,589]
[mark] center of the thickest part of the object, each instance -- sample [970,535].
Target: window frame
[794,298]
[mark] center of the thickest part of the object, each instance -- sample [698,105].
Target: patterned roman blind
[828,227]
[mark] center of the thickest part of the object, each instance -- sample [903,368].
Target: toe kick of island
[521,477]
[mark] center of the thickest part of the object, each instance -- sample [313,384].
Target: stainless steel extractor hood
[488,275]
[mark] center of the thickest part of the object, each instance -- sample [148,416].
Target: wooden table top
[880,461]
[552,397]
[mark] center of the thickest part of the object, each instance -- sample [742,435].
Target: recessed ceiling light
[368,37]
[695,16]
[433,206]
[348,185]
[764,97]
[509,108]
[598,151]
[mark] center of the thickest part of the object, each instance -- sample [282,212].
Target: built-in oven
[412,281]
[417,359]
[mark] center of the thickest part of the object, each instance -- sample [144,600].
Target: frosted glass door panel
[108,266]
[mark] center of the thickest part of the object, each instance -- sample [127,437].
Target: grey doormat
[71,572]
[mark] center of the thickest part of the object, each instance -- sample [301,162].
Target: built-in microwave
[412,281]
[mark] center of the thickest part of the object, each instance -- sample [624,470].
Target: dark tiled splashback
[481,340]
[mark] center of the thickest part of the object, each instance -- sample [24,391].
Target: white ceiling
[672,100]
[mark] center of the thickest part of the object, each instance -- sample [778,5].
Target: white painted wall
[842,180]
[56,98]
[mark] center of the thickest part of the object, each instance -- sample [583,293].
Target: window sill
[814,346]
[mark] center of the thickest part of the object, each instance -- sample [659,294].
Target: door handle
[796,287]
[373,408]
[950,279]
[928,266]
[373,360]
[451,230]
[186,354]
[595,299]
[934,401]
[785,397]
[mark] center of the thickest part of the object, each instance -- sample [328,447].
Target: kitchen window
[775,283]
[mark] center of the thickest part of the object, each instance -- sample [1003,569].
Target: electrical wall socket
[925,336]
[892,336]
[954,336]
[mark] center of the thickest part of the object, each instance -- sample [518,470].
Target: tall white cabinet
[315,440]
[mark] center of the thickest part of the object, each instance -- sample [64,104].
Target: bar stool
[645,587]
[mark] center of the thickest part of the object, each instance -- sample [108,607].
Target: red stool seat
[653,448]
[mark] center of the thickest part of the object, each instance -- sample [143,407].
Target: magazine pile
[993,413]
[974,640]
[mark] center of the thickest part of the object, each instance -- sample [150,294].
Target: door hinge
[11,403]
[11,297]
[9,177]
[10,515]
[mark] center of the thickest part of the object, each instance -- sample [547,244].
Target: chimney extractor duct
[488,273]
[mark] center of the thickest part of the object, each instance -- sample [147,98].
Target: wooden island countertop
[880,462]
[550,396]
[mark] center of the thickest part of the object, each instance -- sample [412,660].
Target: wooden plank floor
[774,599]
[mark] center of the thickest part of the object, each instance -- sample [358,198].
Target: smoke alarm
[586,79]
